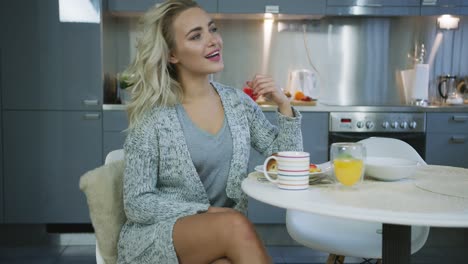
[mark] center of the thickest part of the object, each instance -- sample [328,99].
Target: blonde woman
[188,145]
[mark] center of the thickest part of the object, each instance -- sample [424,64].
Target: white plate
[325,167]
[390,169]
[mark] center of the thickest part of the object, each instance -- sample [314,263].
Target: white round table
[433,196]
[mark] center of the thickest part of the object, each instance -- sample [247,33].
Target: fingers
[262,84]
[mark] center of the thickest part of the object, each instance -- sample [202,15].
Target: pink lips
[214,56]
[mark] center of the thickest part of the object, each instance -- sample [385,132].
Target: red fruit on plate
[306,98]
[313,168]
[249,92]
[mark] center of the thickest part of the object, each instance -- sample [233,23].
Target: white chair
[103,188]
[112,156]
[352,238]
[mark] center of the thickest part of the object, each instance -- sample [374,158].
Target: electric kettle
[448,89]
[305,81]
[462,87]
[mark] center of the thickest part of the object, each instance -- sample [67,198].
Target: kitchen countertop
[329,108]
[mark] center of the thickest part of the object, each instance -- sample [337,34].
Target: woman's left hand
[264,85]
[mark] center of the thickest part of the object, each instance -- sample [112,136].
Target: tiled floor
[35,246]
[47,255]
[44,248]
[85,254]
[31,244]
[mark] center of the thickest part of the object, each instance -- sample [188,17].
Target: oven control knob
[404,125]
[360,124]
[394,124]
[385,125]
[412,124]
[369,124]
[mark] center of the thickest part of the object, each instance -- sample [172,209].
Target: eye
[214,29]
[195,37]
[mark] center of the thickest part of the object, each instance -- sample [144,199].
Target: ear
[173,59]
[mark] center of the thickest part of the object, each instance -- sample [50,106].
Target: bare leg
[210,237]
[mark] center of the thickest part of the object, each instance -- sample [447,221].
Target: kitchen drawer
[48,152]
[377,3]
[141,6]
[114,125]
[447,122]
[116,121]
[373,7]
[285,6]
[439,10]
[373,11]
[448,149]
[112,141]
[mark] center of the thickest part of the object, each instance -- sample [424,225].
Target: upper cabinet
[140,6]
[440,7]
[300,7]
[51,65]
[309,7]
[373,7]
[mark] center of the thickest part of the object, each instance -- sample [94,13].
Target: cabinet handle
[457,139]
[273,9]
[371,5]
[91,116]
[459,118]
[89,102]
[429,2]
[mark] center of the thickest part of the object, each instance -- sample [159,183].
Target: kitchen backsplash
[358,57]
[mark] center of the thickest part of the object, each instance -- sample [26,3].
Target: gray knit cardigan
[161,184]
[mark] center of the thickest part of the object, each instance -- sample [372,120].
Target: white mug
[293,170]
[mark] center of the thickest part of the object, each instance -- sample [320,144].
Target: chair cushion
[103,189]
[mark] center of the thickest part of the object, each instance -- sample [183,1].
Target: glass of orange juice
[348,163]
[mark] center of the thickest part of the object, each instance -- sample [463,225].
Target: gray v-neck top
[211,155]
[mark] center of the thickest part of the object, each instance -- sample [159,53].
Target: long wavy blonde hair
[154,80]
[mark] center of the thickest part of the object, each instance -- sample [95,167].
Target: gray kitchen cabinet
[48,151]
[140,6]
[114,125]
[373,7]
[447,139]
[2,193]
[2,66]
[51,65]
[284,6]
[441,7]
[315,137]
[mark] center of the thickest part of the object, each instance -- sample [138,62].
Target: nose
[213,40]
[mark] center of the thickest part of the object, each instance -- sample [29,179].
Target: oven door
[416,140]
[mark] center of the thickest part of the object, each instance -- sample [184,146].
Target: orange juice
[348,171]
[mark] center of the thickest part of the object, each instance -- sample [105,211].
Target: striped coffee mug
[293,170]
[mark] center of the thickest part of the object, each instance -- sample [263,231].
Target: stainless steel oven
[355,126]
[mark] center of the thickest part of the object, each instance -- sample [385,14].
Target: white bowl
[390,169]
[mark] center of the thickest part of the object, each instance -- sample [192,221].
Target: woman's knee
[240,227]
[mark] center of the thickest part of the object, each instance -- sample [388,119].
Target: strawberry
[313,168]
[249,92]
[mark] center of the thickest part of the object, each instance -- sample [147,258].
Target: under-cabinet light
[80,11]
[448,22]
